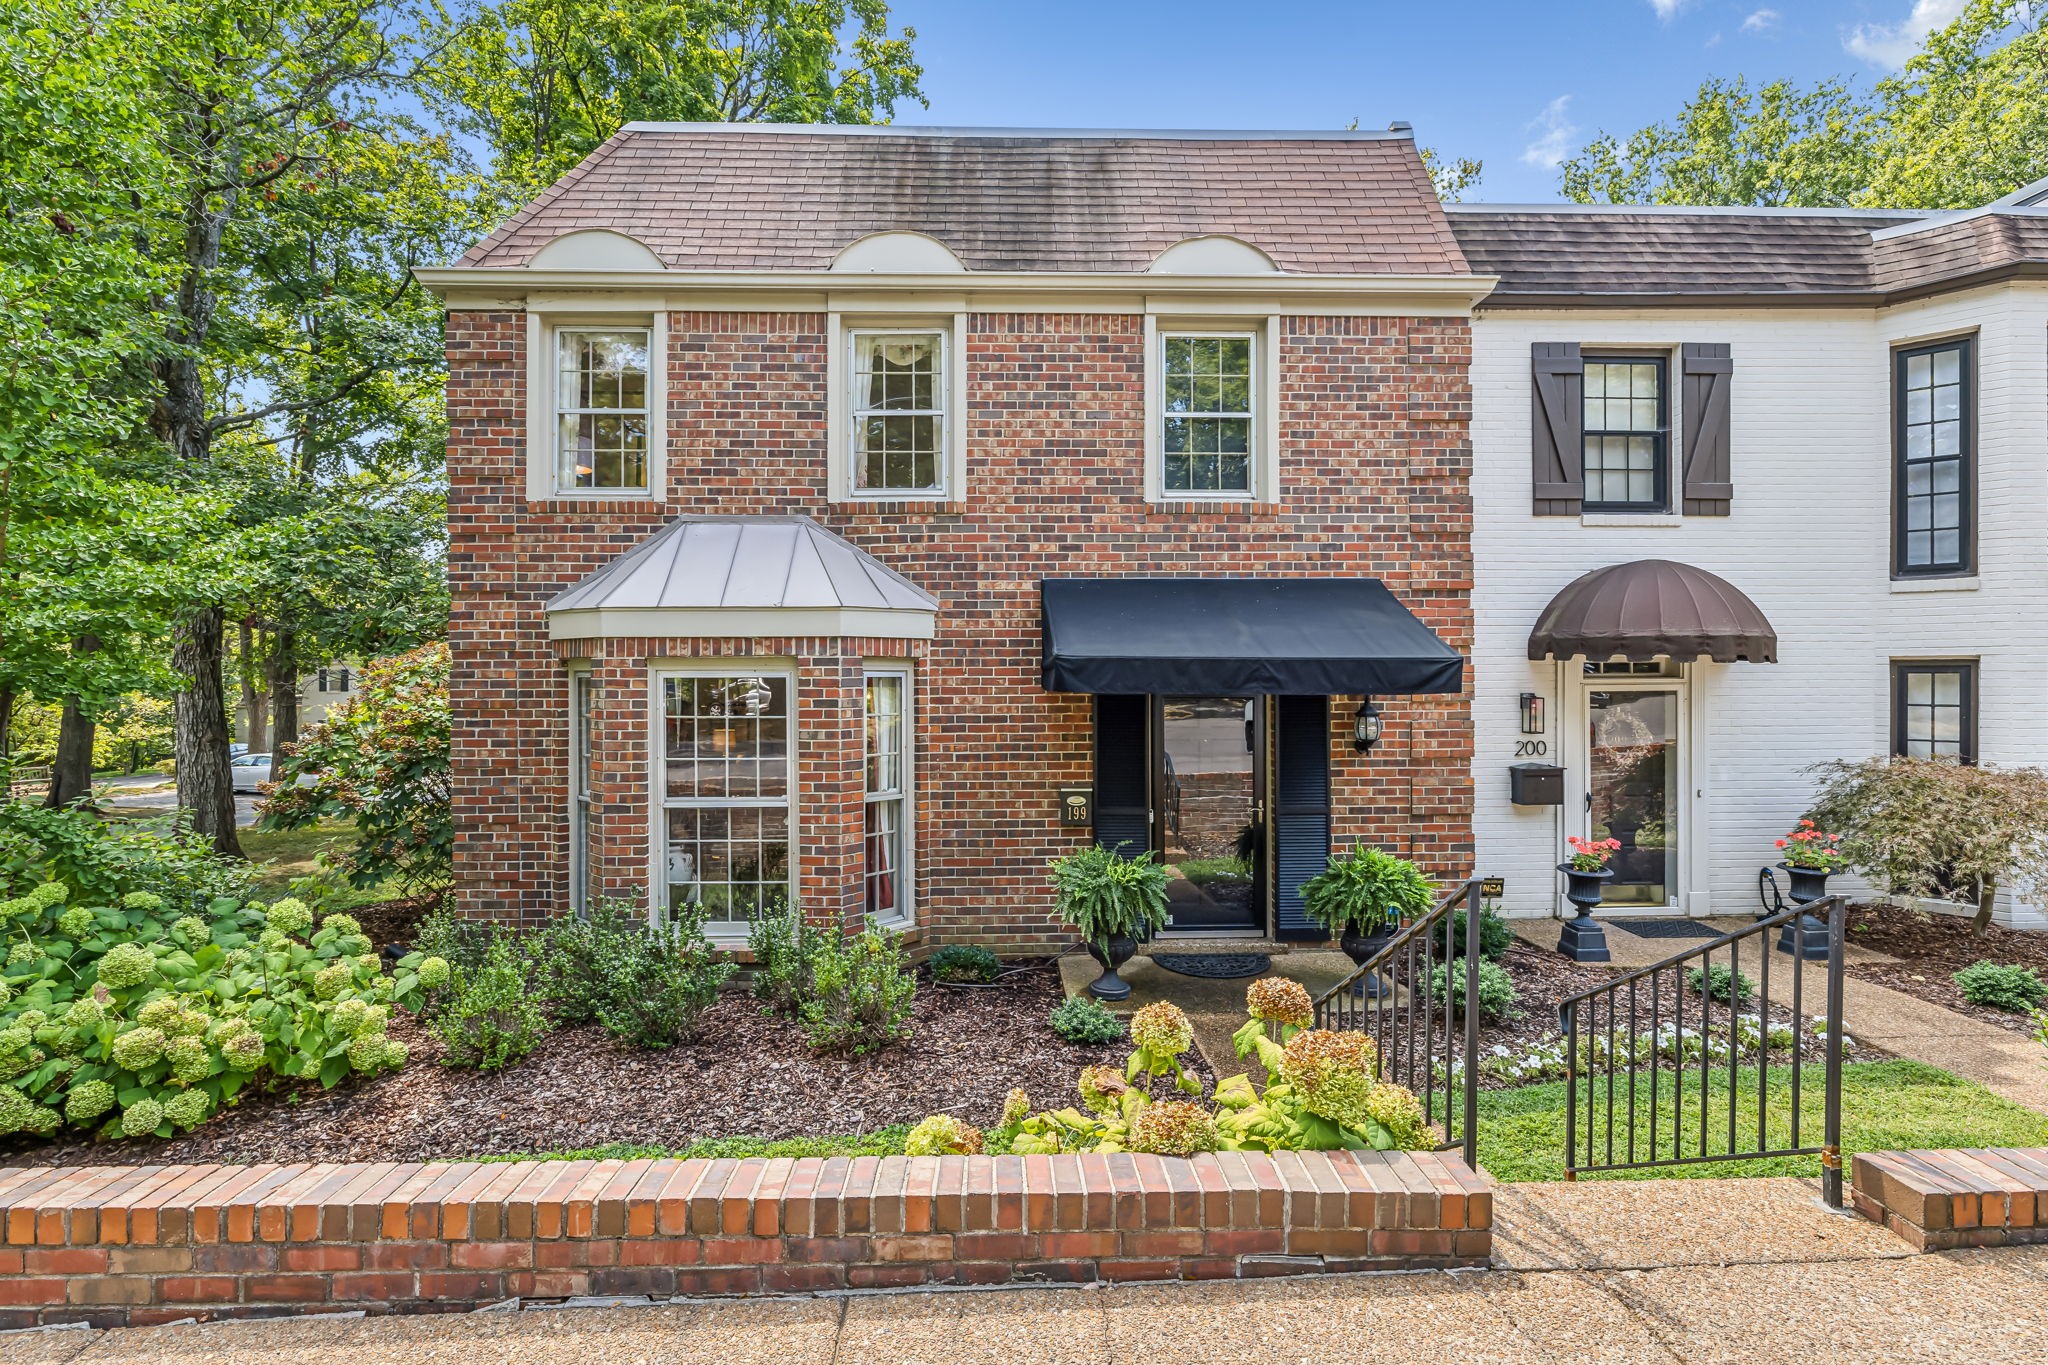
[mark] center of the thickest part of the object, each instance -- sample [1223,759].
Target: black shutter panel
[1557,447]
[1708,369]
[1123,808]
[1301,810]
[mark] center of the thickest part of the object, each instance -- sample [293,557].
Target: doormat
[1218,966]
[1665,928]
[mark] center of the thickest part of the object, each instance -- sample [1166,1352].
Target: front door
[1210,785]
[1633,791]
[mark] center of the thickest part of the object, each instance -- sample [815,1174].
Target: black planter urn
[1361,949]
[1806,937]
[1582,939]
[1112,953]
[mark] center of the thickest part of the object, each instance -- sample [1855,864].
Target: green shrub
[860,995]
[1497,993]
[660,979]
[782,945]
[100,861]
[2002,987]
[493,1017]
[964,962]
[461,943]
[1495,937]
[1720,982]
[1083,1019]
[1103,894]
[164,1016]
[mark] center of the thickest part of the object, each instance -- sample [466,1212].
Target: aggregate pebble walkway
[1658,1271]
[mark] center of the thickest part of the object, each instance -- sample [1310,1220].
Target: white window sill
[899,924]
[1965,583]
[1631,519]
[898,495]
[598,495]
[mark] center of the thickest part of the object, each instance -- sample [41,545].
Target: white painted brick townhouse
[1806,452]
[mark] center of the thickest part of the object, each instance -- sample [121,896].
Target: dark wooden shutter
[1301,809]
[1557,447]
[1707,369]
[1123,807]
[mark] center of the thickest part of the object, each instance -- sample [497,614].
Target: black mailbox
[1536,784]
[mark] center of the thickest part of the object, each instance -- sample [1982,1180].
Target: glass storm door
[1632,792]
[1211,822]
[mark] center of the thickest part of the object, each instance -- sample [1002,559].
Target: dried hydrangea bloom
[190,1061]
[141,1118]
[1016,1105]
[1277,1000]
[138,1048]
[1171,1128]
[161,1013]
[88,1101]
[1162,1028]
[188,1108]
[1102,1087]
[943,1135]
[1332,1072]
[1396,1109]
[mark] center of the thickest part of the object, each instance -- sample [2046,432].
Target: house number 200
[1530,748]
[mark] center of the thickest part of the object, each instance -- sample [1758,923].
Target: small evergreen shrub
[493,1017]
[965,962]
[1494,935]
[2001,986]
[861,992]
[1083,1019]
[657,981]
[1720,982]
[782,945]
[1497,993]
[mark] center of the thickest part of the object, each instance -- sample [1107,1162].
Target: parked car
[250,770]
[237,750]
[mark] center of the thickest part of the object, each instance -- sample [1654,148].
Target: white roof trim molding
[899,253]
[1212,255]
[730,577]
[597,249]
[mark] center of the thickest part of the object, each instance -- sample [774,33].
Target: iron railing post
[1568,1021]
[1831,1114]
[1472,911]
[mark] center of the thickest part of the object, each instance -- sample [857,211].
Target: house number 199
[1530,748]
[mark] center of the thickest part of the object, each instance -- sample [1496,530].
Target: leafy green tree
[543,82]
[1967,120]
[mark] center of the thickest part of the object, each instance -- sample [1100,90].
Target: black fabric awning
[1239,637]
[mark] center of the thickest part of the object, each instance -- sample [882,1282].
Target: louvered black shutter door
[1301,810]
[1123,814]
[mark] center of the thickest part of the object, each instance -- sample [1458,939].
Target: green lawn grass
[282,855]
[881,1142]
[1885,1105]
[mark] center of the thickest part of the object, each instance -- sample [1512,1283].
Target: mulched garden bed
[745,1074]
[1933,948]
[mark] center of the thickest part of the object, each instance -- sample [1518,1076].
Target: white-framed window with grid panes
[582,808]
[724,788]
[899,406]
[1208,414]
[602,413]
[888,883]
[1627,434]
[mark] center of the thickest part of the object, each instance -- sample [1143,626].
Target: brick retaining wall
[1940,1200]
[140,1244]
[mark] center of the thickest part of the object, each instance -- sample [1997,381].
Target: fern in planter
[1102,895]
[1364,891]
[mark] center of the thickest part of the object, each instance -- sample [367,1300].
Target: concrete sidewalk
[1664,1271]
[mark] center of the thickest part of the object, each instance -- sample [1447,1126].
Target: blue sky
[1514,83]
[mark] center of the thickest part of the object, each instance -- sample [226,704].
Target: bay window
[886,847]
[725,794]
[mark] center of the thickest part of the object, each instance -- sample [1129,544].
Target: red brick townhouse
[865,516]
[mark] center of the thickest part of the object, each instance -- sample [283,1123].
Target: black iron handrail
[1391,995]
[1606,1065]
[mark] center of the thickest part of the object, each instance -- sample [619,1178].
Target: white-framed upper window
[723,790]
[1208,413]
[898,404]
[888,884]
[602,426]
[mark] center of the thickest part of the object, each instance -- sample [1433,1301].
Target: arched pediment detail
[898,253]
[596,249]
[1212,255]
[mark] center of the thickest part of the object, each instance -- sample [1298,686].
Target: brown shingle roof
[1573,254]
[754,198]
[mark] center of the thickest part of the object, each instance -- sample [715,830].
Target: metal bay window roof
[1239,637]
[734,576]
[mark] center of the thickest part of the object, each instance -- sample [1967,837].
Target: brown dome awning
[1649,608]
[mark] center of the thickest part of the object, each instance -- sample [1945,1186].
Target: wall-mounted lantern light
[1365,727]
[1532,713]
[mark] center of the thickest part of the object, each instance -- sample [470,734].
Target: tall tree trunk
[282,670]
[1987,897]
[205,782]
[255,700]
[71,772]
[6,719]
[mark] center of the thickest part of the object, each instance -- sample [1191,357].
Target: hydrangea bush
[1325,1093]
[128,1017]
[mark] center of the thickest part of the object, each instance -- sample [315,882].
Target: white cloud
[1554,133]
[1667,10]
[1892,45]
[1762,21]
